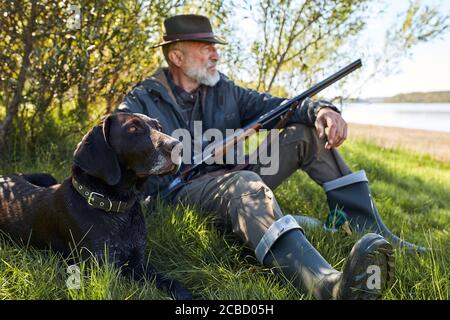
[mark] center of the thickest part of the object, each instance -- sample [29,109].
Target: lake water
[427,116]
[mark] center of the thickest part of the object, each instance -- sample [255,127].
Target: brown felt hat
[188,27]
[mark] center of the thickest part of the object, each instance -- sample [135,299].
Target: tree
[418,24]
[19,19]
[114,48]
[301,35]
[43,57]
[298,40]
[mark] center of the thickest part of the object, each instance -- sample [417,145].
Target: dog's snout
[176,148]
[169,153]
[172,146]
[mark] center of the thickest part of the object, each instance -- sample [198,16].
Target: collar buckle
[90,201]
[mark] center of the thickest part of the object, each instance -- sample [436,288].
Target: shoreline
[434,143]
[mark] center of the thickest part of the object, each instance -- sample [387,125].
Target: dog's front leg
[174,287]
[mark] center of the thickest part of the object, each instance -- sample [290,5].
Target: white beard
[202,75]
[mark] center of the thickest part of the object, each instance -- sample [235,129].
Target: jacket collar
[161,83]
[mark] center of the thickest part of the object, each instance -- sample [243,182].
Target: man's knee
[249,195]
[244,182]
[252,207]
[297,132]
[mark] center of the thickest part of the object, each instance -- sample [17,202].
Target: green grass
[412,193]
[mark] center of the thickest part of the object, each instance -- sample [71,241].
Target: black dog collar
[99,201]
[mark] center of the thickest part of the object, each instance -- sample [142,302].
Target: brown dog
[97,206]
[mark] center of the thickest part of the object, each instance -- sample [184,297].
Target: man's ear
[95,156]
[176,57]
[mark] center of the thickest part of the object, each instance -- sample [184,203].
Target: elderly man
[191,89]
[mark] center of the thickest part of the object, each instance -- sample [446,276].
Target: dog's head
[131,141]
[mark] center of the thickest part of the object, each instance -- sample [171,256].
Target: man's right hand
[337,127]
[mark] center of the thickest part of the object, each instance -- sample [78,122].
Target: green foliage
[302,36]
[97,59]
[48,145]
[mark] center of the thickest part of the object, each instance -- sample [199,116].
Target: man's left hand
[337,127]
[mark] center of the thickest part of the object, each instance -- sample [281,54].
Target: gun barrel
[331,79]
[286,105]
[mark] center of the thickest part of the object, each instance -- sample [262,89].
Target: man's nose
[214,54]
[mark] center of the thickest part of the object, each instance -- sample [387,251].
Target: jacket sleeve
[306,113]
[253,104]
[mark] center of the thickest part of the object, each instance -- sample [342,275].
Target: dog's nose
[176,148]
[173,146]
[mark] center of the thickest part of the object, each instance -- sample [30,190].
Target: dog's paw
[184,295]
[180,292]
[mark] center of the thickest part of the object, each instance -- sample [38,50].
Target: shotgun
[220,148]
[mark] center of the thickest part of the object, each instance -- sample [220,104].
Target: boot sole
[360,276]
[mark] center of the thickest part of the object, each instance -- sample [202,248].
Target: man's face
[199,61]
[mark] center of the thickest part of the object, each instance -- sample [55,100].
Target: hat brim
[216,39]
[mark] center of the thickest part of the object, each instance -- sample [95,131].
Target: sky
[427,68]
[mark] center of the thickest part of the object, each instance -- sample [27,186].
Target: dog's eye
[132,129]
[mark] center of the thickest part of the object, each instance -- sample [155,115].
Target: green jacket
[224,106]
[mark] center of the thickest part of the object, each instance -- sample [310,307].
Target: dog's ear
[95,156]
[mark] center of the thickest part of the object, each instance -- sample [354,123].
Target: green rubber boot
[368,271]
[351,194]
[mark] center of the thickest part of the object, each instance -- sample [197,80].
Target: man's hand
[337,127]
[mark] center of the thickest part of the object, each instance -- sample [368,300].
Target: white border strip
[359,176]
[276,230]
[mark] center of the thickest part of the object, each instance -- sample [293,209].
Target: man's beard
[202,76]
